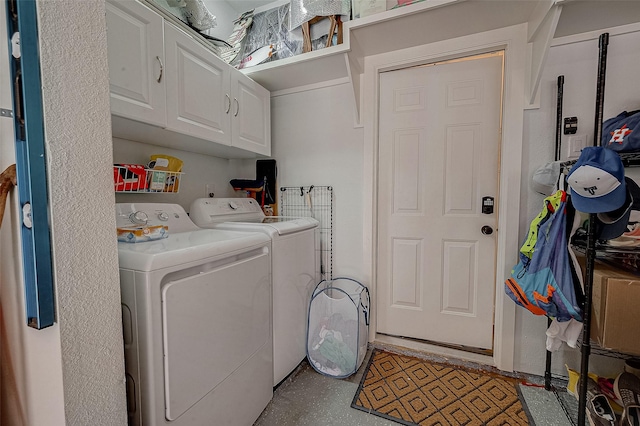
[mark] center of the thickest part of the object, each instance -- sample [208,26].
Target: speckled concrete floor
[307,398]
[545,408]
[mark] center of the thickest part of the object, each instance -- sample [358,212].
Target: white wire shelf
[134,178]
[316,202]
[629,159]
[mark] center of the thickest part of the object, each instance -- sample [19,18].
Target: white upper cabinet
[198,100]
[250,115]
[161,76]
[136,61]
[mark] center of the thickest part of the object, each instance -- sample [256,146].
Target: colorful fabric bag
[542,281]
[622,133]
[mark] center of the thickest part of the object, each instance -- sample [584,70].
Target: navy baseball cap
[596,181]
[613,224]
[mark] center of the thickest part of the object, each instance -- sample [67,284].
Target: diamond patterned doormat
[412,391]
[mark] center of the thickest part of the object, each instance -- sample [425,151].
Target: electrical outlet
[575,145]
[209,190]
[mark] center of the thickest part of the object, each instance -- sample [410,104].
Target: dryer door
[212,323]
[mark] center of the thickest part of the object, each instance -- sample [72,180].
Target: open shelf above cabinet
[432,21]
[308,69]
[409,26]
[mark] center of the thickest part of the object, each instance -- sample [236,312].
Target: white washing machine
[196,310]
[294,267]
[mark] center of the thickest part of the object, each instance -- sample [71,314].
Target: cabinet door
[136,56]
[198,99]
[251,115]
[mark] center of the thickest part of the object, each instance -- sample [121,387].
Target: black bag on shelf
[622,132]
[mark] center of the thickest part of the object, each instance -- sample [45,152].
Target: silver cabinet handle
[229,103]
[237,107]
[161,68]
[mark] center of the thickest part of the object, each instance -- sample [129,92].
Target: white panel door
[251,115]
[439,145]
[198,99]
[136,56]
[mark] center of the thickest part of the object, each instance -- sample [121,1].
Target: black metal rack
[559,99]
[592,249]
[591,240]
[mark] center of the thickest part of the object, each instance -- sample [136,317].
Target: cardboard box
[615,313]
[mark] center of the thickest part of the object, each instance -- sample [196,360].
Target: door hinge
[6,113]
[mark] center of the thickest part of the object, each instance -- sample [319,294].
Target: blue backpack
[622,132]
[542,280]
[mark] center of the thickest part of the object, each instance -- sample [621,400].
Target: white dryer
[196,310]
[294,266]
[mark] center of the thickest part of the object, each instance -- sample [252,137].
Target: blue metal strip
[31,165]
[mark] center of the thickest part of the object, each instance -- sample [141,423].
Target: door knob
[486,230]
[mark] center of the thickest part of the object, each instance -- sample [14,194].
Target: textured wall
[79,152]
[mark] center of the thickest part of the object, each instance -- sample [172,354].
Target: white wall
[314,143]
[79,161]
[578,62]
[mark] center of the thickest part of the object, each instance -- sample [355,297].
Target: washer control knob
[233,205]
[139,218]
[163,216]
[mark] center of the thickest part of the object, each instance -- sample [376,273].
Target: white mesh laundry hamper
[338,327]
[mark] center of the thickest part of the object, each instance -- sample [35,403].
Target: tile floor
[307,398]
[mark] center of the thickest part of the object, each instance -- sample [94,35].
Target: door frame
[513,40]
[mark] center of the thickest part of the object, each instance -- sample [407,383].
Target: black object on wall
[267,169]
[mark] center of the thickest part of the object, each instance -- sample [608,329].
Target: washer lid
[281,225]
[246,214]
[184,247]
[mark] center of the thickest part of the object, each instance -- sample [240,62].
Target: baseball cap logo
[591,190]
[618,135]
